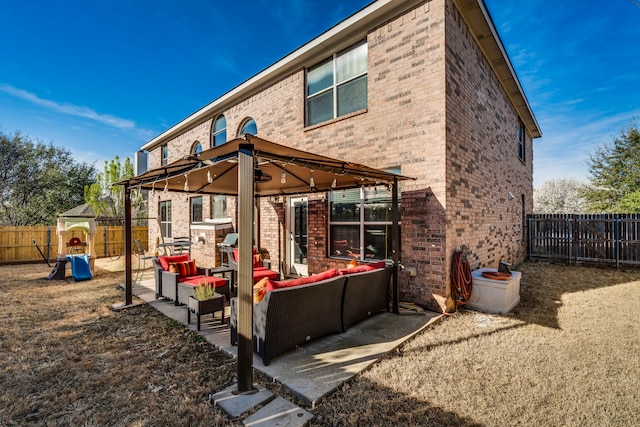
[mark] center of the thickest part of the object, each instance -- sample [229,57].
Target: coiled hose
[461,282]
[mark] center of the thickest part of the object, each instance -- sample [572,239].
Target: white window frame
[215,132]
[165,223]
[361,223]
[164,155]
[335,85]
[191,204]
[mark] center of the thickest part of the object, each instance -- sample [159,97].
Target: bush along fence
[16,243]
[604,238]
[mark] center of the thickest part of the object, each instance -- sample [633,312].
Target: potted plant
[205,301]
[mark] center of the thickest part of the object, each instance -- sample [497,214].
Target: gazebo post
[245,267]
[395,243]
[127,246]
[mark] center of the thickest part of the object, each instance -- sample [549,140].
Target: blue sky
[103,77]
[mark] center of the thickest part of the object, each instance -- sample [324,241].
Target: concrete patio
[316,369]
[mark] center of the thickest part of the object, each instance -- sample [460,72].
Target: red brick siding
[436,109]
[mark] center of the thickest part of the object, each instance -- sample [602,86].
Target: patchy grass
[68,359]
[568,355]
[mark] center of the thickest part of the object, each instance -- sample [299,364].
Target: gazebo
[244,167]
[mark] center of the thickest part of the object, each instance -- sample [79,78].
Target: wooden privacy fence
[16,243]
[604,238]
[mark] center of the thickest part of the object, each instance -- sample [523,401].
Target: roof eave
[477,17]
[337,37]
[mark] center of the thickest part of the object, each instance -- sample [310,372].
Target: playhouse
[76,231]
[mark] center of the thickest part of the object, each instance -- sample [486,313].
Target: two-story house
[421,88]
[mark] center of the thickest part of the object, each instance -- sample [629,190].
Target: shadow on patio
[316,369]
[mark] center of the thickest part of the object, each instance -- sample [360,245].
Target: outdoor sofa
[299,310]
[176,277]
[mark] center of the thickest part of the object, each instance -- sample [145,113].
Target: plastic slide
[80,269]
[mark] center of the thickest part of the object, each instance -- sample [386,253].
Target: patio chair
[181,244]
[261,267]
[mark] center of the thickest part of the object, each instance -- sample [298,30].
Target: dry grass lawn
[568,355]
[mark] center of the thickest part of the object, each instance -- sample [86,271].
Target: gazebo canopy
[279,170]
[249,167]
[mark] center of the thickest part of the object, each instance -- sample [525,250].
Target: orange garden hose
[461,282]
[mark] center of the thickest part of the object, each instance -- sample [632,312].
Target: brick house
[421,88]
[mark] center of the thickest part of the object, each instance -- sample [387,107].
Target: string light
[334,183]
[312,183]
[283,178]
[166,186]
[186,182]
[209,177]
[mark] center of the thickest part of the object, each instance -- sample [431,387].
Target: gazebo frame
[244,167]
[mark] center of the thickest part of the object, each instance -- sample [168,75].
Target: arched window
[248,127]
[219,133]
[196,148]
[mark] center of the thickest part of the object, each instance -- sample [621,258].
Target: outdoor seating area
[365,340]
[177,275]
[291,312]
[287,313]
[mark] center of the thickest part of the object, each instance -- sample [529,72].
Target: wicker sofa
[176,287]
[290,316]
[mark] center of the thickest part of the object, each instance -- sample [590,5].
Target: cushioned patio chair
[260,267]
[174,270]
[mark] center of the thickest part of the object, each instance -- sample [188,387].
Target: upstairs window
[249,127]
[338,85]
[164,156]
[522,138]
[219,134]
[197,148]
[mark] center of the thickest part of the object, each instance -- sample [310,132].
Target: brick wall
[436,110]
[482,157]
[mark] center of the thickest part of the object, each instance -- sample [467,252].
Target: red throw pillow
[272,284]
[378,264]
[178,267]
[328,274]
[166,259]
[190,268]
[358,269]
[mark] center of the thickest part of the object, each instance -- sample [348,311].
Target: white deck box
[494,296]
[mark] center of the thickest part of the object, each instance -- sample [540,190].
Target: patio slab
[318,368]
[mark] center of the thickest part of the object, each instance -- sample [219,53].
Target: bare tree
[559,196]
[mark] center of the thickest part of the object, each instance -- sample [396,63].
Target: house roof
[280,170]
[477,17]
[354,28]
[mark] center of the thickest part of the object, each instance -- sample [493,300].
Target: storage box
[494,296]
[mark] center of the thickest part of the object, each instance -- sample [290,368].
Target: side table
[210,306]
